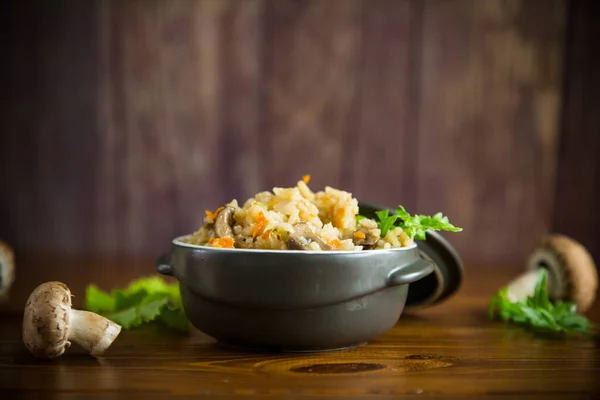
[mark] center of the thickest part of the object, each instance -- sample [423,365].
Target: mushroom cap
[302,234]
[7,268]
[46,320]
[573,276]
[224,222]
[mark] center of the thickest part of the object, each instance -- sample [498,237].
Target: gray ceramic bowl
[293,300]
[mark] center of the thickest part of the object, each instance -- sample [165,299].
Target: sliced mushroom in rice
[363,237]
[224,222]
[296,242]
[302,236]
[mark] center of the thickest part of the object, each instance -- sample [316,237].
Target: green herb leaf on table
[174,318]
[98,301]
[144,300]
[538,312]
[415,226]
[127,318]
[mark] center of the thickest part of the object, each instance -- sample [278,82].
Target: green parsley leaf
[124,299]
[358,218]
[174,318]
[127,318]
[382,214]
[386,221]
[538,312]
[144,300]
[415,226]
[97,300]
[151,310]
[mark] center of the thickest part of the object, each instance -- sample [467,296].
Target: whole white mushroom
[50,324]
[572,274]
[7,269]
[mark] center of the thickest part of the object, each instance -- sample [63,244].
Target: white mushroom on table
[571,272]
[50,324]
[7,269]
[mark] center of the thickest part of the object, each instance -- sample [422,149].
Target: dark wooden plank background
[122,121]
[577,201]
[491,74]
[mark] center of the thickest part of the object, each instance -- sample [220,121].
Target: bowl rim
[178,241]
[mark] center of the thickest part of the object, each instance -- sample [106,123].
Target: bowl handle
[411,272]
[162,265]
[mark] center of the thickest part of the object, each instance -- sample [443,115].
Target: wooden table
[449,351]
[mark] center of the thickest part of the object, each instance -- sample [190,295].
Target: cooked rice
[267,220]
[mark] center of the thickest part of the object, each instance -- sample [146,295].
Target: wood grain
[490,98]
[578,176]
[450,351]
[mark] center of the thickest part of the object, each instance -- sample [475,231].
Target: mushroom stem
[93,332]
[523,286]
[7,270]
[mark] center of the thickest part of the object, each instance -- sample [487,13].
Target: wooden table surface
[449,351]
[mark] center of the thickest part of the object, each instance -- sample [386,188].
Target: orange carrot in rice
[338,217]
[265,235]
[359,235]
[335,243]
[260,224]
[221,242]
[212,215]
[306,178]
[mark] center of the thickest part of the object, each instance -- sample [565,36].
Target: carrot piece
[260,224]
[212,215]
[306,178]
[221,242]
[265,235]
[359,235]
[338,217]
[335,243]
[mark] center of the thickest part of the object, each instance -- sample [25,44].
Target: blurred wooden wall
[576,209]
[123,121]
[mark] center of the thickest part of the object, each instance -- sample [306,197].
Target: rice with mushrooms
[295,218]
